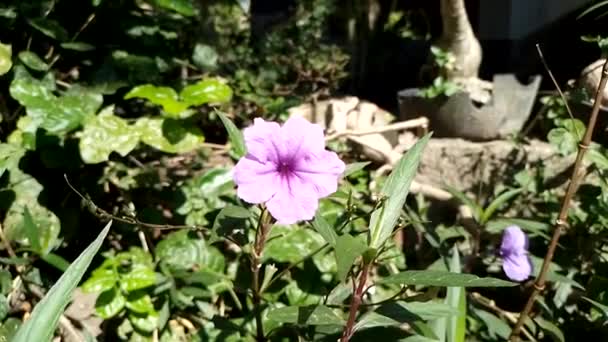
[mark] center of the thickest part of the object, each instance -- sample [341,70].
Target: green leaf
[564,140]
[104,134]
[496,203]
[183,7]
[305,315]
[325,229]
[146,323]
[237,141]
[290,245]
[443,278]
[462,197]
[397,313]
[31,230]
[496,326]
[603,308]
[110,303]
[163,96]
[168,135]
[395,190]
[9,156]
[101,280]
[209,90]
[354,167]
[550,328]
[348,248]
[45,317]
[56,261]
[78,46]
[181,250]
[9,328]
[50,28]
[140,302]
[32,61]
[456,299]
[230,220]
[205,57]
[6,58]
[138,278]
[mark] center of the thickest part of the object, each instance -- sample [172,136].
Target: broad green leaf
[110,303]
[140,302]
[348,248]
[138,278]
[354,167]
[496,203]
[104,134]
[205,57]
[45,317]
[598,156]
[146,323]
[325,229]
[168,135]
[231,220]
[299,297]
[6,58]
[443,278]
[395,191]
[50,28]
[32,61]
[163,96]
[290,245]
[237,141]
[9,156]
[181,250]
[209,90]
[306,315]
[101,280]
[497,328]
[564,140]
[78,46]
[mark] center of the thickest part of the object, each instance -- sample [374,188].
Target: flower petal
[301,137]
[517,267]
[322,171]
[514,240]
[294,201]
[256,182]
[261,140]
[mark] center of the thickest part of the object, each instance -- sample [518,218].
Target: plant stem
[261,234]
[356,302]
[560,224]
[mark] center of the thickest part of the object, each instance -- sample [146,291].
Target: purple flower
[514,252]
[288,168]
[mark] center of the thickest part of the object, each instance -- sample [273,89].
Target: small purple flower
[514,251]
[288,168]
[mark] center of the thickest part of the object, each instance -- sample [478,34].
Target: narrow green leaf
[496,203]
[397,313]
[32,61]
[56,261]
[456,299]
[395,191]
[592,8]
[78,46]
[462,197]
[6,60]
[237,141]
[305,315]
[45,317]
[31,231]
[496,326]
[443,278]
[325,229]
[348,248]
[50,28]
[354,167]
[550,328]
[603,308]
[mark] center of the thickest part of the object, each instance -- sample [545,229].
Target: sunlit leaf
[32,61]
[163,96]
[104,134]
[44,319]
[205,57]
[6,61]
[209,90]
[100,281]
[237,141]
[138,278]
[78,46]
[290,245]
[146,323]
[168,135]
[110,303]
[183,7]
[395,190]
[443,278]
[181,250]
[140,302]
[496,203]
[325,229]
[305,315]
[354,167]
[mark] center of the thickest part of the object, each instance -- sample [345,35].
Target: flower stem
[561,223]
[355,303]
[261,234]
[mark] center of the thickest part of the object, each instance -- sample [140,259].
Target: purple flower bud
[514,251]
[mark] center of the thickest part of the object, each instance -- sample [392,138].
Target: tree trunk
[459,39]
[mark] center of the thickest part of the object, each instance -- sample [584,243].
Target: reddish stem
[355,303]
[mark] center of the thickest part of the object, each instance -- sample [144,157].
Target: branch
[418,122]
[561,222]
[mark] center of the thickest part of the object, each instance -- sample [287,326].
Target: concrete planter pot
[458,117]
